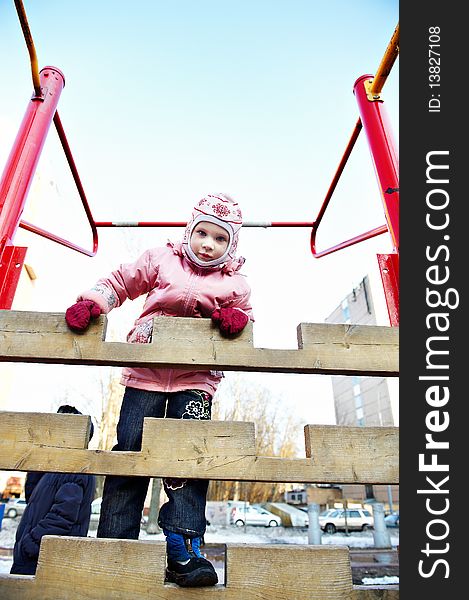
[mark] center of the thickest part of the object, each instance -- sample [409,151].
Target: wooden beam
[221,450]
[295,571]
[62,430]
[99,569]
[179,342]
[340,448]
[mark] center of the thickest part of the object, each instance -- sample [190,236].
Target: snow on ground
[226,534]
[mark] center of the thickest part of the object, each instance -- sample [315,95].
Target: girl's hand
[230,320]
[79,315]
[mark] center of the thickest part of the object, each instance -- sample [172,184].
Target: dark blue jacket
[59,504]
[31,482]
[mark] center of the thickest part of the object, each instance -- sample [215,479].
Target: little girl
[198,277]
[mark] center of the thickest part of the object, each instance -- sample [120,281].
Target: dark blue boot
[186,567]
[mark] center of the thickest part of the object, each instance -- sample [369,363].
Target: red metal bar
[355,240]
[378,132]
[359,238]
[11,264]
[21,164]
[386,163]
[389,269]
[59,240]
[184,223]
[81,192]
[338,173]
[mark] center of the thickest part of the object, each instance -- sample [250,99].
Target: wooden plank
[52,429]
[323,348]
[220,450]
[207,439]
[355,449]
[300,571]
[25,588]
[104,569]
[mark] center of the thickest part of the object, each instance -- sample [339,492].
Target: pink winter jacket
[174,288]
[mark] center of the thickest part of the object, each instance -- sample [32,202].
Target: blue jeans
[123,497]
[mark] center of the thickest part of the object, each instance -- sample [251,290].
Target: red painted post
[21,166]
[389,269]
[11,265]
[383,151]
[380,140]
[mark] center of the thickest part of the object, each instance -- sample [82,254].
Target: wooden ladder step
[222,450]
[104,569]
[322,348]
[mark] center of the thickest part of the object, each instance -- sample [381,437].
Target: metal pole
[383,151]
[390,500]
[314,530]
[24,156]
[389,58]
[385,159]
[21,164]
[380,532]
[261,224]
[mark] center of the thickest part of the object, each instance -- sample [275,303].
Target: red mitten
[78,316]
[230,320]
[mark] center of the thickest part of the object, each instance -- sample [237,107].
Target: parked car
[392,520]
[353,519]
[253,515]
[14,507]
[326,512]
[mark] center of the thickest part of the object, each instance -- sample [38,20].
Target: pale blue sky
[166,101]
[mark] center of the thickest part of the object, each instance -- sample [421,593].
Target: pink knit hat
[222,210]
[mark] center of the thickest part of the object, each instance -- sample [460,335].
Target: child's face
[209,241]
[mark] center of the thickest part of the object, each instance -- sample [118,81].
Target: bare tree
[111,399]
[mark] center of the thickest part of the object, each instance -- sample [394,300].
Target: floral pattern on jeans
[174,483]
[199,408]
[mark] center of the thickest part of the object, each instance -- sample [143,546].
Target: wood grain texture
[182,342]
[339,449]
[104,569]
[51,429]
[72,568]
[96,569]
[223,450]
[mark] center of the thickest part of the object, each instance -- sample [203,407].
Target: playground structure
[218,450]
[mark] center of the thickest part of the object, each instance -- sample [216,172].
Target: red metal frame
[24,156]
[20,168]
[11,264]
[18,175]
[373,119]
[184,223]
[378,132]
[383,151]
[389,269]
[48,85]
[359,238]
[51,236]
